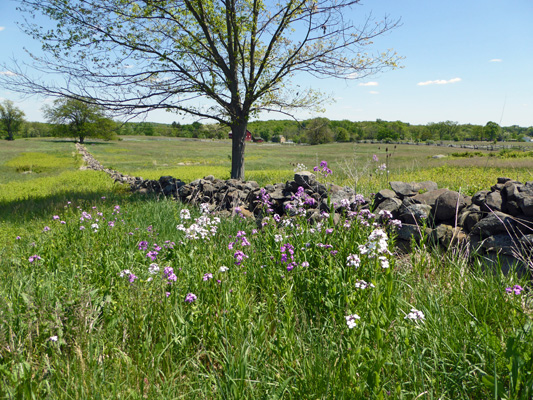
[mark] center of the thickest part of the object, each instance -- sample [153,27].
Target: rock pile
[497,224]
[224,196]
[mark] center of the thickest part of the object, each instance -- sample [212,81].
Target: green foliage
[41,162]
[318,131]
[79,119]
[11,118]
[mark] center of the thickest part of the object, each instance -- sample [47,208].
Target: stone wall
[495,223]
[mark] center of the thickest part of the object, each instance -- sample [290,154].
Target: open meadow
[107,294]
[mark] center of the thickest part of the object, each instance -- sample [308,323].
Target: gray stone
[401,189]
[493,201]
[305,179]
[392,205]
[409,232]
[492,224]
[382,195]
[414,213]
[448,205]
[428,198]
[479,198]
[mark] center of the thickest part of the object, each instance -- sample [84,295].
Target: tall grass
[91,316]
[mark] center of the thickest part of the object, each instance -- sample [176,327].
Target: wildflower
[132,278]
[143,245]
[223,268]
[82,228]
[204,208]
[384,262]
[350,320]
[305,264]
[63,222]
[323,169]
[516,289]
[94,227]
[207,276]
[375,158]
[291,265]
[46,229]
[152,255]
[34,258]
[53,338]
[125,272]
[18,238]
[167,294]
[415,315]
[55,217]
[329,230]
[277,218]
[111,224]
[153,268]
[156,247]
[376,245]
[360,284]
[278,238]
[190,297]
[239,257]
[185,214]
[353,260]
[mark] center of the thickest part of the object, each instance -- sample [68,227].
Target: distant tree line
[312,131]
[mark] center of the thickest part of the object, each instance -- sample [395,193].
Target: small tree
[238,56]
[318,131]
[491,130]
[77,118]
[11,118]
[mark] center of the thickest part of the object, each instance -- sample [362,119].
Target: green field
[103,297]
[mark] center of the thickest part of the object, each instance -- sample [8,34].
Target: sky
[468,61]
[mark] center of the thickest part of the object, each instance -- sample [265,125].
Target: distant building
[257,139]
[248,136]
[527,139]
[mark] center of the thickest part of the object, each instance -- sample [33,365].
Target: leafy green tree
[11,118]
[491,130]
[238,56]
[318,131]
[342,135]
[78,119]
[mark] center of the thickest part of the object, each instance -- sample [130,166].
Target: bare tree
[225,60]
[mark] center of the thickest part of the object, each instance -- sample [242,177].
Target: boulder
[493,224]
[414,213]
[448,205]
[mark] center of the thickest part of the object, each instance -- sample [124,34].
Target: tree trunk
[238,133]
[82,139]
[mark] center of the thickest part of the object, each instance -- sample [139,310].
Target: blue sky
[469,61]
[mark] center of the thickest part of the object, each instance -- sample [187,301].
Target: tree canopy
[225,60]
[79,119]
[11,118]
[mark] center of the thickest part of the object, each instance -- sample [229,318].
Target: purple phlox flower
[244,241]
[239,257]
[291,265]
[170,275]
[333,252]
[18,238]
[82,227]
[111,224]
[385,214]
[167,294]
[143,245]
[150,228]
[278,238]
[63,222]
[254,231]
[516,289]
[305,264]
[190,297]
[46,229]
[350,320]
[152,255]
[55,217]
[34,258]
[230,245]
[156,247]
[132,278]
[207,276]
[240,234]
[85,215]
[329,230]
[277,218]
[323,169]
[375,158]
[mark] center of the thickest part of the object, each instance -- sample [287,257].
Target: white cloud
[373,92]
[7,73]
[2,28]
[369,84]
[496,60]
[439,82]
[353,75]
